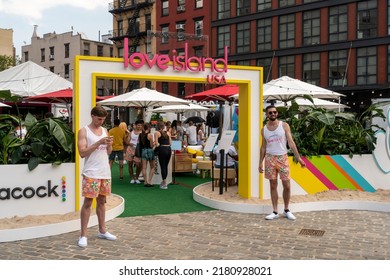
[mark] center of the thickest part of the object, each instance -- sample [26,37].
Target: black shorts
[118,154]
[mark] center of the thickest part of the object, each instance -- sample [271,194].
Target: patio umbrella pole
[221,168]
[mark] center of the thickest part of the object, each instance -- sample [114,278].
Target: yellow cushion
[194,160]
[191,151]
[199,153]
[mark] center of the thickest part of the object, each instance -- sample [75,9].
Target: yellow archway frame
[249,79]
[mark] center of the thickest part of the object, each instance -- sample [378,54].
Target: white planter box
[48,189]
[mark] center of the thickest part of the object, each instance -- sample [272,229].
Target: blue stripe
[366,186]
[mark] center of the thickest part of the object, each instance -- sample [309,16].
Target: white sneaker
[132,182]
[163,187]
[83,241]
[137,181]
[107,236]
[272,216]
[289,215]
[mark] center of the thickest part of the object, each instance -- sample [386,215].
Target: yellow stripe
[307,180]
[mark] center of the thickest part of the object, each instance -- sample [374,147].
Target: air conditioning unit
[182,2]
[51,57]
[180,26]
[181,8]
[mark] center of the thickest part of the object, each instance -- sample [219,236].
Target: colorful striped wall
[324,173]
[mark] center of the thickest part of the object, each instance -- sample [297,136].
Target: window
[165,34]
[287,66]
[388,18]
[42,55]
[223,39]
[223,9]
[120,27]
[165,8]
[181,89]
[199,27]
[286,3]
[25,56]
[337,67]
[66,71]
[180,31]
[132,26]
[51,69]
[99,50]
[311,68]
[243,62]
[366,66]
[199,88]
[66,46]
[198,4]
[311,27]
[86,49]
[51,53]
[263,5]
[120,87]
[243,37]
[287,31]
[243,7]
[120,52]
[266,64]
[198,51]
[388,63]
[264,34]
[367,19]
[165,87]
[338,23]
[111,52]
[148,20]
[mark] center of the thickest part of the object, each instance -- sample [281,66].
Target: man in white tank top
[275,136]
[95,145]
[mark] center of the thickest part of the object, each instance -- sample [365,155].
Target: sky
[85,16]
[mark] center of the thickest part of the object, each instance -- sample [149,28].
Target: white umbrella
[286,88]
[144,98]
[317,102]
[179,109]
[4,105]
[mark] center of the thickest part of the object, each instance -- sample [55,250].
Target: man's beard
[272,118]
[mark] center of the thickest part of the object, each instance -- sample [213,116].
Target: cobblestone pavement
[221,235]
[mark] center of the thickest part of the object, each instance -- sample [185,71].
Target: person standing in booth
[147,144]
[119,139]
[163,144]
[94,145]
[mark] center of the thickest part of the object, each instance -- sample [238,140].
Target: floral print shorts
[275,164]
[92,188]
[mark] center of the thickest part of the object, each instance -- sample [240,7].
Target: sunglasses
[272,112]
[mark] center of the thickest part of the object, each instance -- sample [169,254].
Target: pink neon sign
[179,62]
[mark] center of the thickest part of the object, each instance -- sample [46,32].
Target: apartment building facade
[56,52]
[134,20]
[6,42]
[341,45]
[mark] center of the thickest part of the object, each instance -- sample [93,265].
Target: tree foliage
[317,131]
[6,61]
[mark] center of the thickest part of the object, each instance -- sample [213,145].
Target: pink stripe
[319,175]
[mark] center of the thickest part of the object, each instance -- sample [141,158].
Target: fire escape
[130,9]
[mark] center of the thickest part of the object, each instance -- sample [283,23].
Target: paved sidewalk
[221,235]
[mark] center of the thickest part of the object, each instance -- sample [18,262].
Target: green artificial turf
[140,201]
